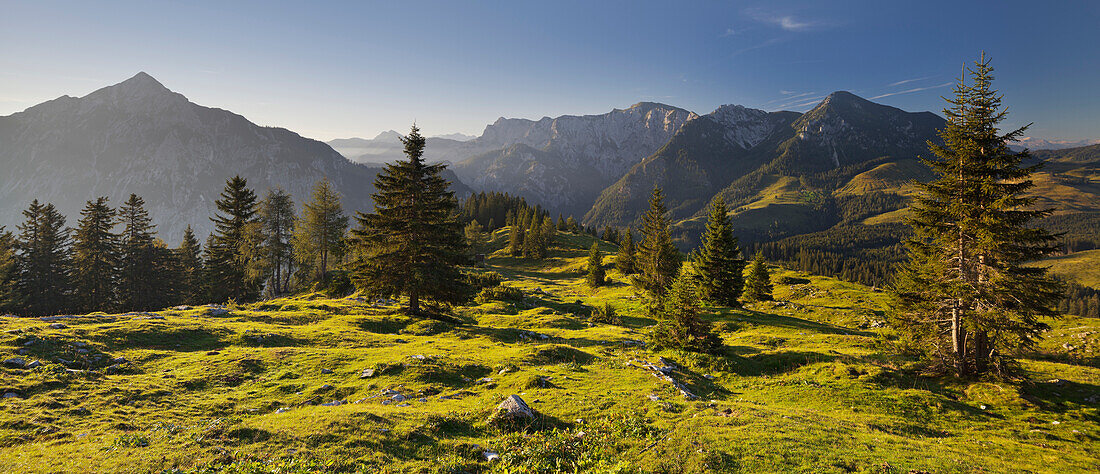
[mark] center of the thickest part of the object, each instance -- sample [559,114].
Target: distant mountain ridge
[139,137]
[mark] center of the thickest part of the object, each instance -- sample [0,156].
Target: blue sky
[333,69]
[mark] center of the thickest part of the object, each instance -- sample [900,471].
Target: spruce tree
[412,244]
[515,239]
[546,239]
[965,296]
[277,227]
[596,273]
[624,260]
[475,236]
[96,259]
[226,265]
[44,261]
[321,230]
[658,261]
[9,272]
[189,286]
[571,225]
[679,324]
[758,285]
[138,279]
[718,263]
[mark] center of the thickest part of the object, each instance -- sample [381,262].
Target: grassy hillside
[1081,267]
[806,384]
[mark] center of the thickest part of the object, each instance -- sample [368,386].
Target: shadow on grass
[164,338]
[768,319]
[1058,396]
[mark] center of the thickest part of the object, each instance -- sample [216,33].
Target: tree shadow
[1060,395]
[164,338]
[769,319]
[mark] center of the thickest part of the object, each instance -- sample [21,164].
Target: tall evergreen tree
[624,260]
[44,260]
[138,279]
[189,286]
[9,272]
[758,285]
[718,262]
[226,266]
[679,324]
[596,274]
[277,226]
[965,295]
[515,239]
[658,260]
[412,244]
[321,230]
[96,259]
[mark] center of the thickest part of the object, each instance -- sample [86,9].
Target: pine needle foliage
[96,258]
[658,260]
[138,278]
[758,285]
[412,244]
[965,298]
[718,263]
[44,260]
[680,325]
[596,273]
[624,259]
[227,265]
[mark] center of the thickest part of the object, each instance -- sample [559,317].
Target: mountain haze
[139,137]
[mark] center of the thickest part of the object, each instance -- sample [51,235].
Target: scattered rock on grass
[326,371]
[58,326]
[17,362]
[512,413]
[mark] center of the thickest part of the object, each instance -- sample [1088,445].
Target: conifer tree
[547,237]
[475,236]
[658,261]
[8,272]
[562,226]
[531,238]
[718,263]
[138,279]
[679,325]
[965,296]
[571,225]
[44,261]
[412,244]
[189,264]
[276,215]
[515,239]
[758,285]
[96,259]
[226,265]
[596,273]
[624,260]
[321,230]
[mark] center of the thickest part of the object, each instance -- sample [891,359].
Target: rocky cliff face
[576,155]
[139,137]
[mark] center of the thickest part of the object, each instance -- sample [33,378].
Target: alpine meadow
[811,282]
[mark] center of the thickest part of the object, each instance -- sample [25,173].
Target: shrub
[605,315]
[484,280]
[499,293]
[790,280]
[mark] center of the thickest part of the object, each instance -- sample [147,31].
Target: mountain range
[782,173]
[139,137]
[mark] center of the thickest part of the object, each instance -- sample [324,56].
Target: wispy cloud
[802,102]
[909,91]
[907,81]
[786,22]
[728,32]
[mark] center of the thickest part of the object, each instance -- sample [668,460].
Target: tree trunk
[958,339]
[414,302]
[981,352]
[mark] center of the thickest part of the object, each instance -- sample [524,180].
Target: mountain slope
[697,162]
[598,149]
[139,137]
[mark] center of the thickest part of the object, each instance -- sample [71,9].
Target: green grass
[1081,267]
[806,384]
